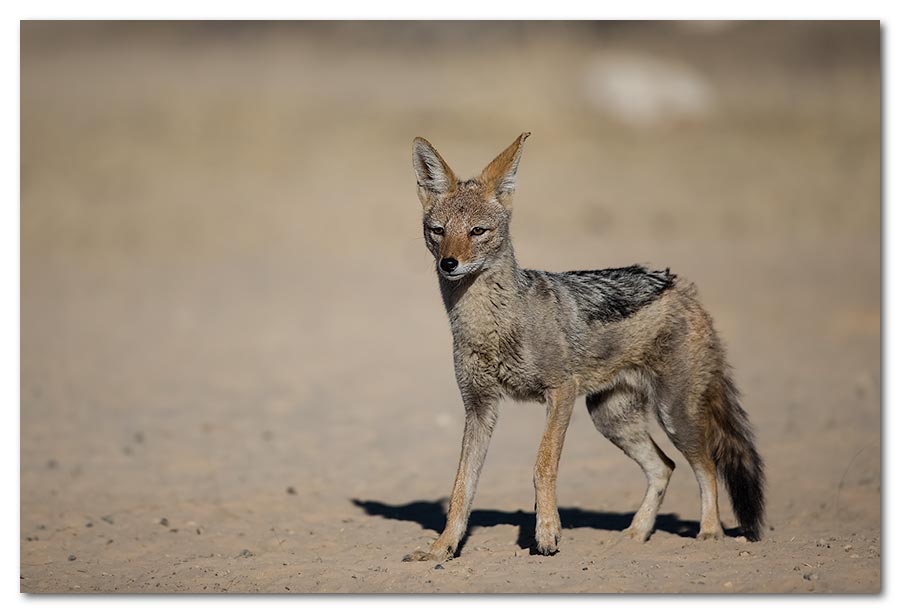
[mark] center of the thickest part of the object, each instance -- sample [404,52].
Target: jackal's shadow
[431,516]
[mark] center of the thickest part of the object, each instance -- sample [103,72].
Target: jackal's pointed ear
[500,175]
[433,174]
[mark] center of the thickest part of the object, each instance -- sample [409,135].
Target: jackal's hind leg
[687,433]
[705,471]
[658,469]
[621,417]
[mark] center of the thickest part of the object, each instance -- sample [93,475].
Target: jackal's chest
[495,358]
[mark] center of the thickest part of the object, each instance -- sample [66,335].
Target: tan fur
[560,402]
[456,245]
[500,168]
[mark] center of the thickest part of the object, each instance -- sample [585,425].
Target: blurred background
[236,371]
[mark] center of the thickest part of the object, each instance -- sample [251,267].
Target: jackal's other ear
[433,174]
[500,175]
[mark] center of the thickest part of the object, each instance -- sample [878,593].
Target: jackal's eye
[478,230]
[439,231]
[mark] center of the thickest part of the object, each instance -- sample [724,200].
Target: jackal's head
[466,223]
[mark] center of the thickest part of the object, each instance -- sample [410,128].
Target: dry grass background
[225,295]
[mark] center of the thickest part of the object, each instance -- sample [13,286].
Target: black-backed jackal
[636,342]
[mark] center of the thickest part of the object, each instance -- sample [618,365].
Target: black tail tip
[746,488]
[752,534]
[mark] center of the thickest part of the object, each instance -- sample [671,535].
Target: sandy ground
[235,367]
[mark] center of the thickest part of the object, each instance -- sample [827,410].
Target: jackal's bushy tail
[734,453]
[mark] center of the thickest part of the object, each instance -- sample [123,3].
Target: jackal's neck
[493,286]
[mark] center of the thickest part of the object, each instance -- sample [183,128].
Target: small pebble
[744,554]
[810,576]
[164,522]
[246,553]
[72,557]
[291,490]
[741,539]
[439,567]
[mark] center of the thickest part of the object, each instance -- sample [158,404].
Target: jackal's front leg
[481,415]
[560,402]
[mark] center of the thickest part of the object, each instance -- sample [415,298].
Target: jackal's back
[613,294]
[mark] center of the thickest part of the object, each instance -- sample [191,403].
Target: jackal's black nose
[449,264]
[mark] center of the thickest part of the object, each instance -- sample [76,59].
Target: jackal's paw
[636,534]
[547,548]
[441,555]
[546,540]
[710,535]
